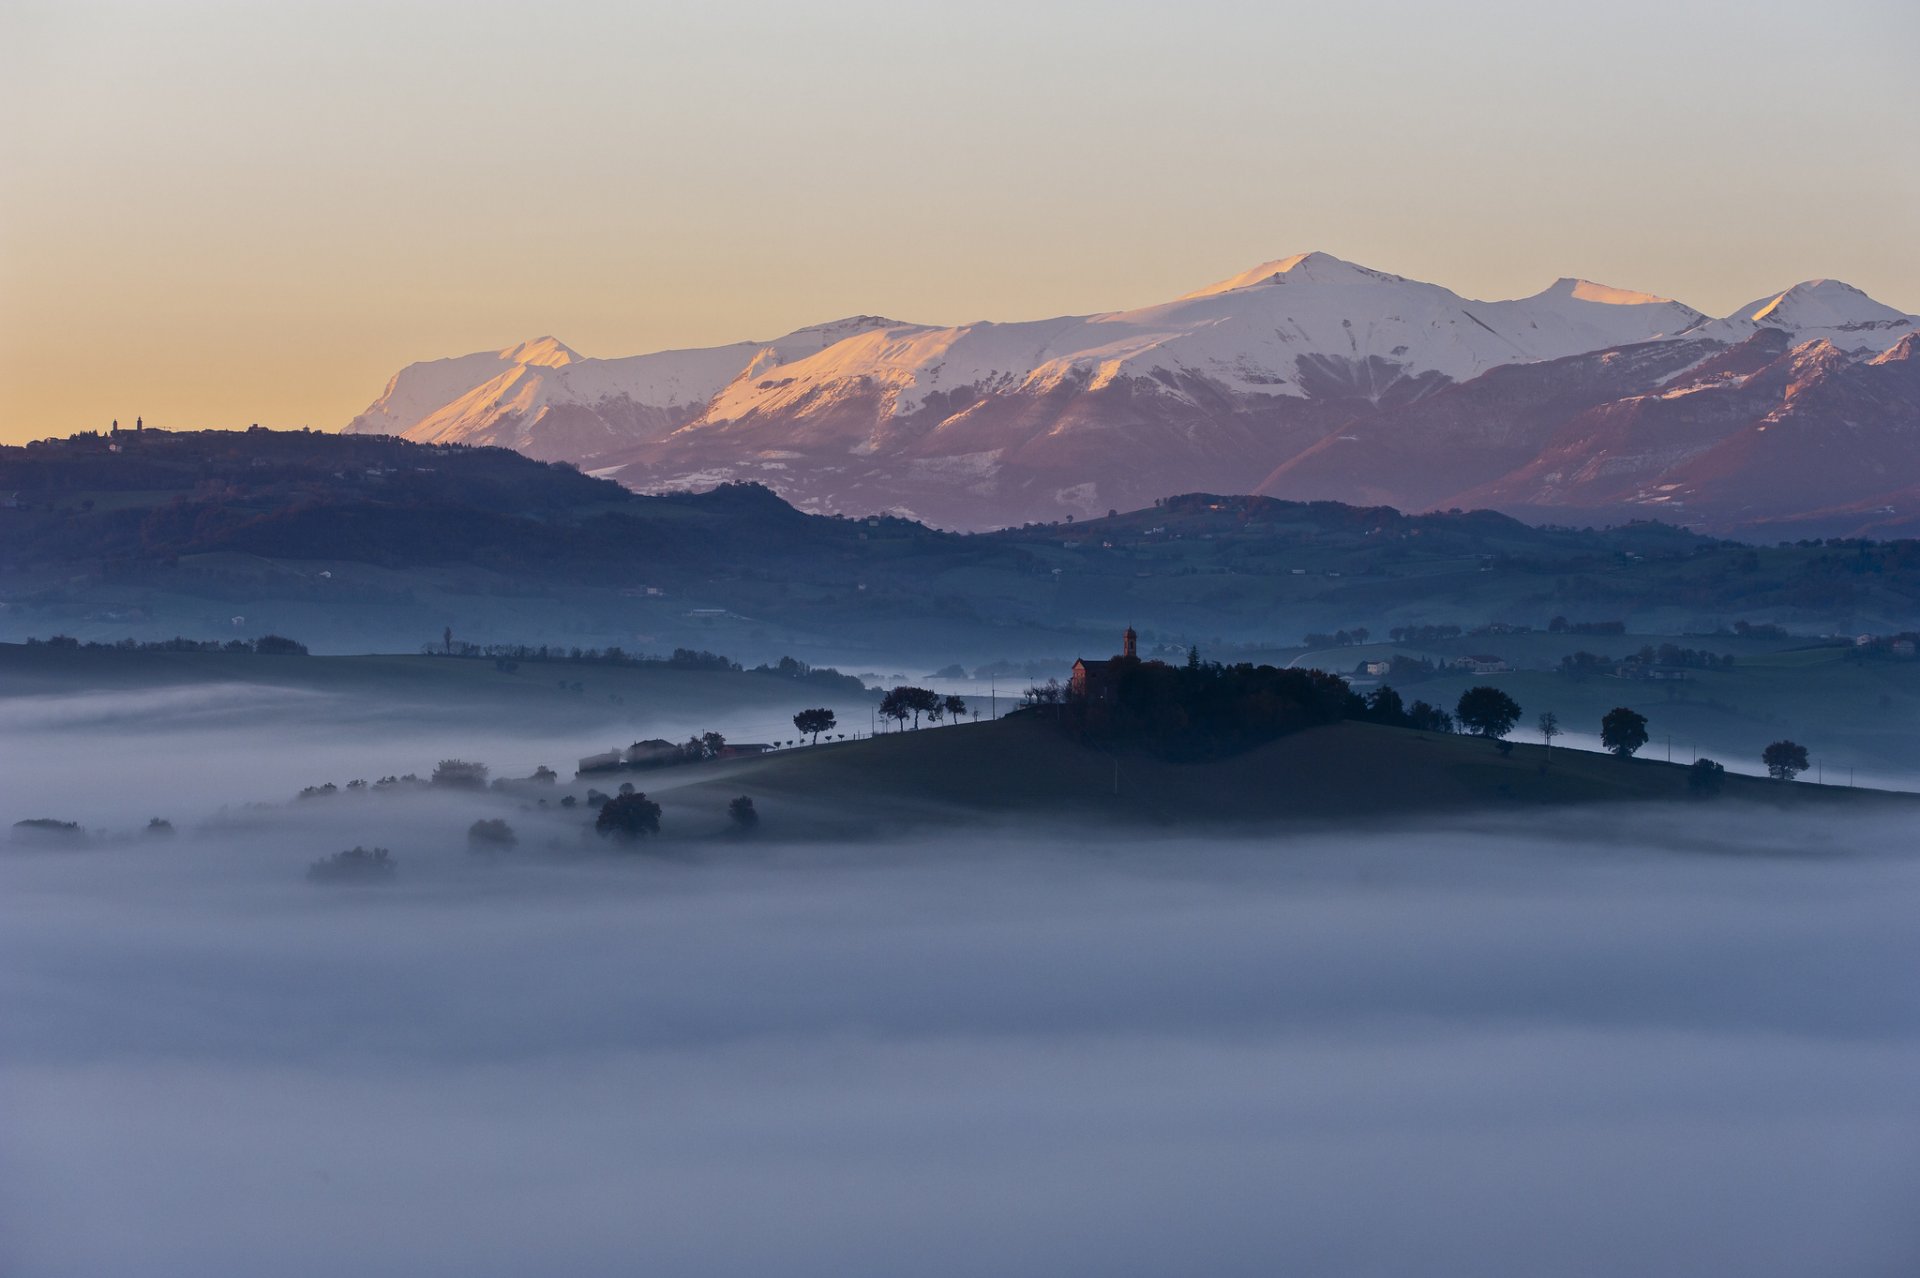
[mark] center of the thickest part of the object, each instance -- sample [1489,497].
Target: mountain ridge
[1254,381]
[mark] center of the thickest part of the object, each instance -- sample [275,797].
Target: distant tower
[116,425]
[139,425]
[1130,645]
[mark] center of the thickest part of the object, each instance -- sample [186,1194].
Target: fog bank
[1490,1048]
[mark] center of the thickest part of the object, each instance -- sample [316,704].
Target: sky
[213,214]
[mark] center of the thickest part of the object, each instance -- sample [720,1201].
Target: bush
[742,813]
[1705,778]
[490,834]
[628,817]
[461,774]
[48,831]
[355,865]
[279,646]
[160,828]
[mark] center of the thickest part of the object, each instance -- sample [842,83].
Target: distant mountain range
[1304,378]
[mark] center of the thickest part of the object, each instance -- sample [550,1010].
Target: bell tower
[1130,645]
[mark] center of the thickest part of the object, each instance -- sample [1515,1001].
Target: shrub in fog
[490,835]
[1705,778]
[742,814]
[628,817]
[48,832]
[461,774]
[160,828]
[355,865]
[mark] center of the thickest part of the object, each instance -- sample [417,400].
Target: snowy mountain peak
[1821,304]
[1829,309]
[1605,294]
[1317,268]
[544,352]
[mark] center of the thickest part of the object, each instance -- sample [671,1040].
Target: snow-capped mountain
[1306,376]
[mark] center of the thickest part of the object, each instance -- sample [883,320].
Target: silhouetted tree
[1549,723]
[1785,760]
[160,828]
[742,814]
[1623,731]
[814,722]
[1487,712]
[955,706]
[628,817]
[1428,718]
[545,775]
[894,706]
[1385,706]
[915,701]
[279,646]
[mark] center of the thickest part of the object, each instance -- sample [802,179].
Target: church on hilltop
[1098,681]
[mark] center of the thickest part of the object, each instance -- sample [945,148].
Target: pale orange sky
[215,214]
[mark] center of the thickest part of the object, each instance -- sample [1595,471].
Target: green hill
[1023,767]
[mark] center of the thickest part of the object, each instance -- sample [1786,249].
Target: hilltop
[1344,773]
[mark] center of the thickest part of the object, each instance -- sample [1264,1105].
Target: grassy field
[1021,767]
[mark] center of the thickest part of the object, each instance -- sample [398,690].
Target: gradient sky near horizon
[213,214]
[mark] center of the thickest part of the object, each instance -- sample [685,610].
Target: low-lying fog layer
[110,758]
[1625,1043]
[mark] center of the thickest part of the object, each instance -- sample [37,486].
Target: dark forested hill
[370,541]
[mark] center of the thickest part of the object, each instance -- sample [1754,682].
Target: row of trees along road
[903,702]
[1488,712]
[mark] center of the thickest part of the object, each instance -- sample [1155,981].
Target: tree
[1623,731]
[814,722]
[910,701]
[1549,728]
[1705,777]
[355,865]
[1785,760]
[741,812]
[955,706]
[627,817]
[1487,712]
[461,774]
[1385,706]
[1428,718]
[486,835]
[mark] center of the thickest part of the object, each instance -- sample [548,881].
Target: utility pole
[993,697]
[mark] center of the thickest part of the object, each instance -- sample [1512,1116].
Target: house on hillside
[645,753]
